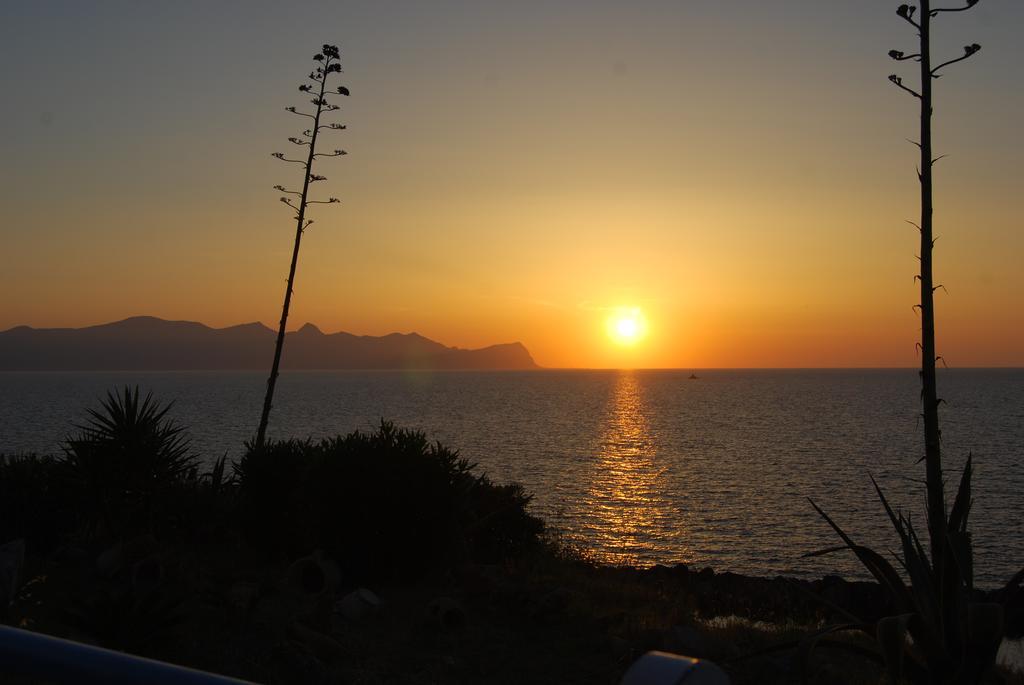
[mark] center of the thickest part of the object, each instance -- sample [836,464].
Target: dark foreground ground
[549,618]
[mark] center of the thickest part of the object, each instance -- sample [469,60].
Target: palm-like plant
[124,458]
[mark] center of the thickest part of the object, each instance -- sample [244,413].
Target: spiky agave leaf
[962,503]
[1013,585]
[914,560]
[806,648]
[938,598]
[125,424]
[876,565]
[937,594]
[124,453]
[919,598]
[953,572]
[985,629]
[891,635]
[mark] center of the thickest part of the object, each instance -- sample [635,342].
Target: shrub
[31,505]
[387,504]
[500,527]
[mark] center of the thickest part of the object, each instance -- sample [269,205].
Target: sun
[627,325]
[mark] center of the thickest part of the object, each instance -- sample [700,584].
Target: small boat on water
[693,377]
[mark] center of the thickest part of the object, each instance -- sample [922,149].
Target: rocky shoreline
[782,599]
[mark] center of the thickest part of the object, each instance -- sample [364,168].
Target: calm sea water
[639,467]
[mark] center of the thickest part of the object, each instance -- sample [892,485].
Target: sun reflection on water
[627,510]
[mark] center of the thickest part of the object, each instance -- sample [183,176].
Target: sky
[739,172]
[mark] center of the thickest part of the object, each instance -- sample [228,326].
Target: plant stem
[929,394]
[268,400]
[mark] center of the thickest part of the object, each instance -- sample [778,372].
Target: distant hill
[148,343]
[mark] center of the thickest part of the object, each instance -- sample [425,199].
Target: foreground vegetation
[374,557]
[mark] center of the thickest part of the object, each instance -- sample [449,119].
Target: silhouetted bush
[204,508]
[31,504]
[500,527]
[383,504]
[387,504]
[124,464]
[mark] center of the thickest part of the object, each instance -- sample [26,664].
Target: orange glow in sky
[517,172]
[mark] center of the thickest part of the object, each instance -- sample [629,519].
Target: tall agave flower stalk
[329,62]
[939,633]
[929,392]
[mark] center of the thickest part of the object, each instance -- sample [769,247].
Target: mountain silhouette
[148,343]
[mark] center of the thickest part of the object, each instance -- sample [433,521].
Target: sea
[633,467]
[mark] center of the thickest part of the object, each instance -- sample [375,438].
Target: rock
[114,559]
[446,613]
[357,605]
[147,574]
[686,641]
[479,579]
[310,583]
[780,664]
[71,555]
[12,559]
[321,644]
[141,547]
[299,664]
[827,674]
[551,606]
[646,639]
[313,576]
[619,647]
[110,561]
[242,595]
[835,590]
[613,621]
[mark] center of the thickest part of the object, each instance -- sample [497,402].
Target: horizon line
[691,369]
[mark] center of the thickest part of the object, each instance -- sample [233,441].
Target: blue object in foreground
[55,660]
[662,668]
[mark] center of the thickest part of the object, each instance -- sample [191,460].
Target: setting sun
[627,325]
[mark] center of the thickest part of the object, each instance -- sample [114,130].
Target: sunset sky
[737,171]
